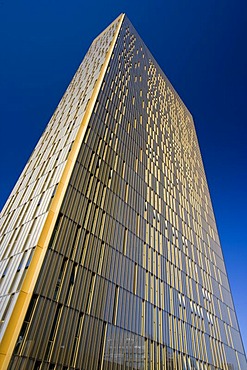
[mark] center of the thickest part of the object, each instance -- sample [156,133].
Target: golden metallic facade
[110,257]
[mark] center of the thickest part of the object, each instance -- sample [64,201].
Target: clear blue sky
[200,45]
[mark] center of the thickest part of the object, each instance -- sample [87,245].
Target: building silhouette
[110,256]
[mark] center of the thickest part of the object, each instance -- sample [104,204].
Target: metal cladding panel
[29,207]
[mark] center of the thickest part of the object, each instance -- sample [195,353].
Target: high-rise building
[110,256]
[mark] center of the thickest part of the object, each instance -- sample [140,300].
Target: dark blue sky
[200,45]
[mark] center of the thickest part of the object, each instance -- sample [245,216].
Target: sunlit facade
[110,256]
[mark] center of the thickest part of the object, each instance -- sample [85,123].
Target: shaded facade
[110,253]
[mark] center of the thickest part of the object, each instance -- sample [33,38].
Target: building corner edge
[17,317]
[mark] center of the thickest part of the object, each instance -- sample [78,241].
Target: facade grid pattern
[133,276]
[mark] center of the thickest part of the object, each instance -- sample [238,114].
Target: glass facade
[111,257]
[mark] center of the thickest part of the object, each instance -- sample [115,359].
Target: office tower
[109,247]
